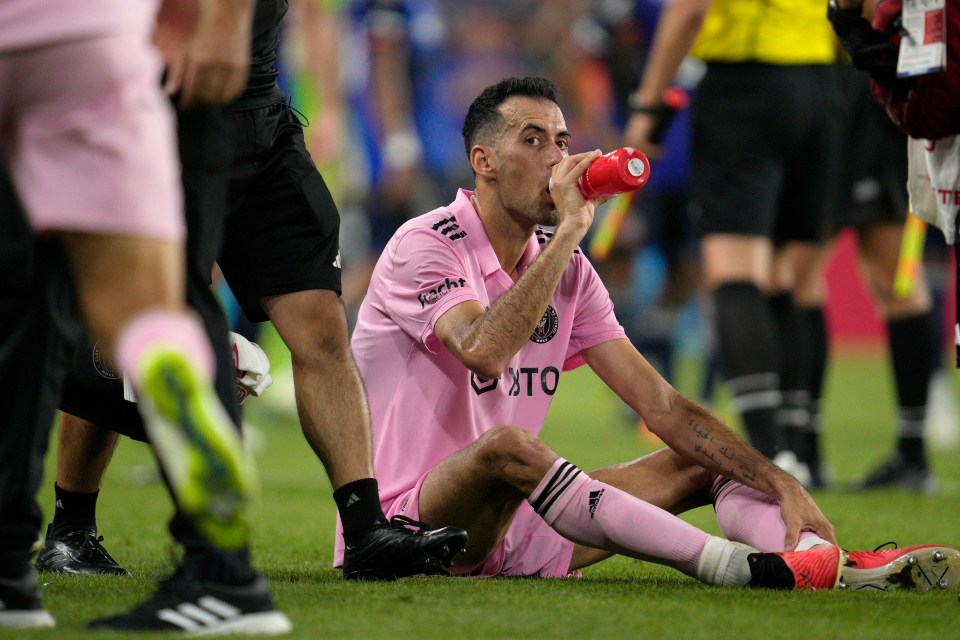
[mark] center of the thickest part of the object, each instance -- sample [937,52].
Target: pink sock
[595,514]
[750,516]
[151,328]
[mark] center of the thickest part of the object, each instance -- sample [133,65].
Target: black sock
[74,510]
[210,563]
[203,561]
[816,331]
[750,360]
[794,414]
[915,355]
[359,505]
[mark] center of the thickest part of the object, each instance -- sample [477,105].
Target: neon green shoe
[212,476]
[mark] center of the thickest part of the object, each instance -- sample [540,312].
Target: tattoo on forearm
[700,431]
[745,469]
[707,454]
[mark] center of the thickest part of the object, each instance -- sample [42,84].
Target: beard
[549,218]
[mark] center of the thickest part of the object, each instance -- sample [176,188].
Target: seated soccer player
[474,311]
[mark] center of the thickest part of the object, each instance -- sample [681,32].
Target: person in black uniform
[280,256]
[764,143]
[873,201]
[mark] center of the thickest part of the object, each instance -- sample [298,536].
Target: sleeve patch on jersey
[448,226]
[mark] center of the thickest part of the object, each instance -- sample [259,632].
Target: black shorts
[282,235]
[765,146]
[873,169]
[94,391]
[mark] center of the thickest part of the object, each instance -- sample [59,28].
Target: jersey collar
[469,221]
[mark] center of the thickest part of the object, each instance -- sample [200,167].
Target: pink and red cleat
[922,567]
[817,568]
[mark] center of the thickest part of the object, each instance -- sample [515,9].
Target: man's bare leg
[332,406]
[72,544]
[330,399]
[83,452]
[120,277]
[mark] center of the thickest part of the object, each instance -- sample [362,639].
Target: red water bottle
[625,169]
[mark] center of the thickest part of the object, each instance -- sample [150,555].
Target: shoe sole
[29,619]
[923,570]
[203,457]
[45,568]
[271,623]
[46,562]
[449,544]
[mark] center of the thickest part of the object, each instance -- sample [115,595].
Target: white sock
[724,562]
[812,541]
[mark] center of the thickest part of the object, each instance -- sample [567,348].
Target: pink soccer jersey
[425,404]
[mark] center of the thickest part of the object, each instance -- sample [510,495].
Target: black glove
[869,50]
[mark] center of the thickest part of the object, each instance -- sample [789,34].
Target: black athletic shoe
[203,607]
[402,547]
[77,551]
[20,606]
[898,473]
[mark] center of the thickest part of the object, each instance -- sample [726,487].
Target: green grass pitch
[620,598]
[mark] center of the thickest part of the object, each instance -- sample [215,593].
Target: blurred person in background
[912,55]
[873,201]
[653,268]
[763,179]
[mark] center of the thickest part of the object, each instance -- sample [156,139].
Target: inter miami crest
[546,328]
[100,363]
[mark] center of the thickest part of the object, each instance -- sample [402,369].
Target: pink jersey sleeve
[428,278]
[594,322]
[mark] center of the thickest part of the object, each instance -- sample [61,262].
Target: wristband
[635,106]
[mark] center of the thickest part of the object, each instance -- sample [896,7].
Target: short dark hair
[484,119]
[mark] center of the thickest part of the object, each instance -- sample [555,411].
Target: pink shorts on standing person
[85,130]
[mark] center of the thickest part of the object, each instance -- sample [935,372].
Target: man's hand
[638,132]
[800,513]
[869,50]
[575,213]
[208,63]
